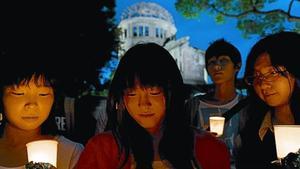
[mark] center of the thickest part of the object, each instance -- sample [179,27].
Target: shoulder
[63,141]
[68,152]
[205,97]
[68,147]
[101,150]
[194,100]
[105,139]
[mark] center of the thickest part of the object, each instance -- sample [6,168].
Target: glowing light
[287,139]
[42,151]
[216,124]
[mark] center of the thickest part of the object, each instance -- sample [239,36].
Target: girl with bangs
[271,75]
[27,95]
[147,126]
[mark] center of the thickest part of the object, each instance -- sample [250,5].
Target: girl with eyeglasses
[274,93]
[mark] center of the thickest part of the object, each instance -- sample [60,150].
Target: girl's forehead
[141,82]
[142,86]
[262,61]
[137,84]
[34,80]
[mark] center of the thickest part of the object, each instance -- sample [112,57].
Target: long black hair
[282,50]
[152,65]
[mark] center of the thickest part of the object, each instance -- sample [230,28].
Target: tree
[107,40]
[253,16]
[96,44]
[76,38]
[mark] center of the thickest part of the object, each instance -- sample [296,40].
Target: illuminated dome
[147,9]
[145,22]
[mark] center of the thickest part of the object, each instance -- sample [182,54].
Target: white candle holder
[287,139]
[44,151]
[216,124]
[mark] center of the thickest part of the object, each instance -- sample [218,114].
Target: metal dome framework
[147,9]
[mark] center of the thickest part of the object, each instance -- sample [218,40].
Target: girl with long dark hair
[147,123]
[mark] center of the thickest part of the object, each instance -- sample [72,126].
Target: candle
[42,151]
[216,124]
[287,139]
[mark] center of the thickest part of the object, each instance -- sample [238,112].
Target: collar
[266,125]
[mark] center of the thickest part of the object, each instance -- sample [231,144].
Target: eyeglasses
[267,77]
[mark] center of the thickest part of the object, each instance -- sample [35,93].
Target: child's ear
[237,66]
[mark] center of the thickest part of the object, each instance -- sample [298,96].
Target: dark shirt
[74,117]
[256,153]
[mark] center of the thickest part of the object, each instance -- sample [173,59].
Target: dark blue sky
[203,30]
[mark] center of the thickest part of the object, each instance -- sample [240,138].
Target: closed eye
[44,94]
[17,93]
[155,93]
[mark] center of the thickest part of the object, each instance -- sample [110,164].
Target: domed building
[149,22]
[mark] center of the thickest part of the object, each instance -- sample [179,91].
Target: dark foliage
[72,38]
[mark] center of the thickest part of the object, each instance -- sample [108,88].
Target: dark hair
[19,70]
[151,64]
[222,47]
[282,49]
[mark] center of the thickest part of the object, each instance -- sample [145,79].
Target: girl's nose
[264,84]
[31,103]
[144,100]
